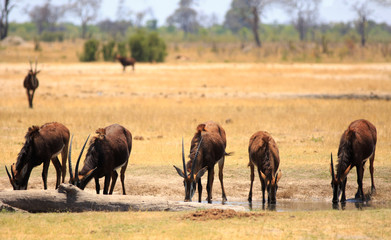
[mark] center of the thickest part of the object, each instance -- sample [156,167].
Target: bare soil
[165,183]
[219,214]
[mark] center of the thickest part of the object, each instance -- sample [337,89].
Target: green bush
[90,52]
[108,51]
[52,36]
[147,47]
[121,49]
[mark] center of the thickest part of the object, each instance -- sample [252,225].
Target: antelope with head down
[107,152]
[42,145]
[263,153]
[31,82]
[357,144]
[207,148]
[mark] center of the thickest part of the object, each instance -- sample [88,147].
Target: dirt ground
[218,214]
[160,104]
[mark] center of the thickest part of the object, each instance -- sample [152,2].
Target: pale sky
[330,10]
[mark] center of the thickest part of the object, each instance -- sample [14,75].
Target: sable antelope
[31,83]
[263,153]
[207,149]
[357,144]
[107,152]
[125,61]
[42,145]
[211,126]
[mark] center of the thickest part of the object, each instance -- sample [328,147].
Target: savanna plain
[305,107]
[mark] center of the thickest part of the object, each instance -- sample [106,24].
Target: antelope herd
[110,149]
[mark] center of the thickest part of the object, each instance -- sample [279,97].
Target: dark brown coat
[42,145]
[125,61]
[208,148]
[213,127]
[31,83]
[263,153]
[357,144]
[107,152]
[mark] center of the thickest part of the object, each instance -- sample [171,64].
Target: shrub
[108,51]
[52,36]
[90,52]
[147,47]
[121,48]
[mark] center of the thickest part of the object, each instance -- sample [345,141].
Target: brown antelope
[207,149]
[357,144]
[31,83]
[125,61]
[211,126]
[107,152]
[42,145]
[263,153]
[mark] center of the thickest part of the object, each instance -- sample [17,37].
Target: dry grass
[164,225]
[163,102]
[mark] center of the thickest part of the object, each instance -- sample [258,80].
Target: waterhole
[292,206]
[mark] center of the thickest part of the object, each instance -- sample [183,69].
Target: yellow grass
[165,102]
[374,224]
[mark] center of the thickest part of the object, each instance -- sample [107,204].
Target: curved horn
[9,176]
[12,171]
[332,168]
[36,62]
[78,160]
[183,159]
[195,158]
[69,159]
[346,172]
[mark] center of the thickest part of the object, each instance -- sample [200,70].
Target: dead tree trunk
[68,198]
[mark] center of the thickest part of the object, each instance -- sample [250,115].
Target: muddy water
[292,206]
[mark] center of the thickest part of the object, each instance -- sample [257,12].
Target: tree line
[243,21]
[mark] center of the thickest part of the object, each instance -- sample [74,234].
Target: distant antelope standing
[31,82]
[125,61]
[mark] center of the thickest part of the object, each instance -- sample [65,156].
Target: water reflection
[291,206]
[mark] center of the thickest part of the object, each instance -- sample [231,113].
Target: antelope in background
[107,152]
[207,148]
[42,145]
[357,144]
[125,61]
[31,82]
[263,153]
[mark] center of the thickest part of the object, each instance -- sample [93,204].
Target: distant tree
[304,14]
[249,12]
[86,10]
[114,27]
[46,16]
[184,17]
[386,3]
[5,10]
[363,11]
[236,17]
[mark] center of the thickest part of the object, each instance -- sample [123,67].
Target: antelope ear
[37,71]
[179,171]
[201,173]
